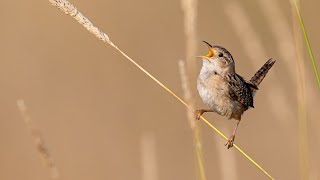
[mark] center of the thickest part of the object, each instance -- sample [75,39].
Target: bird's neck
[207,71]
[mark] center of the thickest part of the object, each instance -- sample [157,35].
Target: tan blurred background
[101,118]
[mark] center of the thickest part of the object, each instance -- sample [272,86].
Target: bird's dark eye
[220,55]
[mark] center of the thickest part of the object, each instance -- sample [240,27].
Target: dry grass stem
[195,128]
[189,8]
[187,74]
[301,95]
[186,91]
[68,8]
[38,140]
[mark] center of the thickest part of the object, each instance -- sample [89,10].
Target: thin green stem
[307,43]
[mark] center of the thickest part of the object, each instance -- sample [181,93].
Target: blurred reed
[189,8]
[148,157]
[193,125]
[187,74]
[68,8]
[303,144]
[282,33]
[39,142]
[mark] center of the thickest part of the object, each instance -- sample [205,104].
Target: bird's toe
[198,114]
[230,141]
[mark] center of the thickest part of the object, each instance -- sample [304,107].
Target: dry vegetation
[251,41]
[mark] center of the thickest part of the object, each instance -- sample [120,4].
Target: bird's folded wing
[240,90]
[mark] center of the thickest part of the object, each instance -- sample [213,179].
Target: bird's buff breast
[215,94]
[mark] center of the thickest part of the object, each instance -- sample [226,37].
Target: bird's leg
[230,141]
[199,112]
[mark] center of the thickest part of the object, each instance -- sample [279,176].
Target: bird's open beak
[211,52]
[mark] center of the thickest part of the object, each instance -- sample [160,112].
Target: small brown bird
[223,90]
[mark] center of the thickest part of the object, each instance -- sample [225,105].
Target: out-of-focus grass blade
[307,42]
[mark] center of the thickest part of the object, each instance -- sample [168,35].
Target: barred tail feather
[262,72]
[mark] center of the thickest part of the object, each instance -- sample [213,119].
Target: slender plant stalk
[38,140]
[189,8]
[193,125]
[66,7]
[307,42]
[301,94]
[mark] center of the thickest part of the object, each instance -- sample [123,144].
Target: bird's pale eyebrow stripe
[224,50]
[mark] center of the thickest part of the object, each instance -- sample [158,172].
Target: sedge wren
[223,90]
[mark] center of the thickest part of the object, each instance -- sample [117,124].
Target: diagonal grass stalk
[66,7]
[305,35]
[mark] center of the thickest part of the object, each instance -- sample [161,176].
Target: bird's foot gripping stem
[230,141]
[199,112]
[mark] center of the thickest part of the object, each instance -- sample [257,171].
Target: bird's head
[218,60]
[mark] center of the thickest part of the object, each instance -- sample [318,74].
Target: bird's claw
[230,141]
[198,114]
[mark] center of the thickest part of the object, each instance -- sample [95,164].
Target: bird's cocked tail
[262,72]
